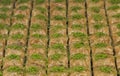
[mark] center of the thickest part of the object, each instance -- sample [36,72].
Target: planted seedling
[4,9]
[23,8]
[38,36]
[57,35]
[3,36]
[5,2]
[39,1]
[23,1]
[80,1]
[100,34]
[15,47]
[114,7]
[41,9]
[57,69]
[1,74]
[13,56]
[36,56]
[58,46]
[114,1]
[56,28]
[18,26]
[77,26]
[98,26]
[77,16]
[59,17]
[36,46]
[3,26]
[117,16]
[59,8]
[3,16]
[95,1]
[14,69]
[20,16]
[95,9]
[76,8]
[79,35]
[41,17]
[56,56]
[35,27]
[106,69]
[78,69]
[97,17]
[17,36]
[118,33]
[57,1]
[32,70]
[78,45]
[100,56]
[100,45]
[78,56]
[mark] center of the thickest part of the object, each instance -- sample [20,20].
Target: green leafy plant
[56,28]
[114,7]
[14,69]
[76,8]
[41,9]
[20,16]
[79,35]
[100,56]
[58,1]
[95,1]
[36,56]
[15,47]
[78,68]
[77,26]
[37,46]
[59,8]
[58,17]
[77,16]
[118,26]
[78,56]
[13,56]
[56,56]
[100,45]
[114,1]
[57,35]
[80,1]
[23,8]
[117,16]
[97,17]
[3,16]
[118,33]
[106,69]
[6,2]
[18,26]
[41,17]
[32,70]
[95,9]
[36,27]
[1,74]
[39,36]
[3,36]
[100,34]
[17,36]
[3,26]
[59,46]
[23,1]
[57,69]
[98,26]
[78,44]
[40,1]
[4,9]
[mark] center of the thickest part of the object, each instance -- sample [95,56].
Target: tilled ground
[60,37]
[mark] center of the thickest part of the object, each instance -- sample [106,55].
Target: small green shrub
[100,56]
[78,56]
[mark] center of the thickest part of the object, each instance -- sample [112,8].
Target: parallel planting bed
[59,37]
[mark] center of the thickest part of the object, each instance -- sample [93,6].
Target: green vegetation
[14,69]
[41,17]
[78,44]
[1,73]
[6,2]
[77,26]
[79,35]
[59,1]
[114,7]
[4,9]
[100,34]
[95,1]
[118,33]
[3,16]
[106,69]
[56,28]
[23,8]
[17,36]
[116,16]
[78,69]
[15,47]
[13,56]
[57,69]
[76,8]
[78,56]
[18,26]
[80,1]
[58,17]
[57,35]
[58,46]
[36,56]
[35,46]
[59,8]
[32,70]
[100,56]
[23,1]
[4,36]
[39,1]
[39,36]
[35,27]
[98,26]
[95,9]
[100,45]
[118,26]
[41,9]
[3,26]
[77,16]
[114,1]
[20,16]
[56,56]
[97,17]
